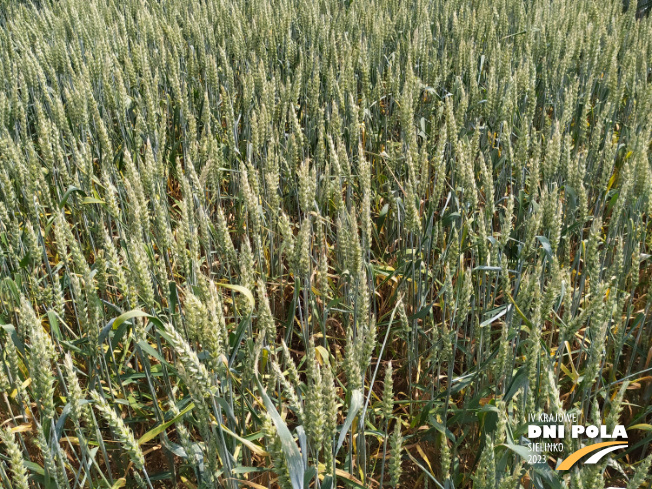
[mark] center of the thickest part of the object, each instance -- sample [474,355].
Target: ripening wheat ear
[387,406]
[16,460]
[641,473]
[194,372]
[120,430]
[75,393]
[396,443]
[41,355]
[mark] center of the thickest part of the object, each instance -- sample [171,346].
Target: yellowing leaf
[423,455]
[121,482]
[21,428]
[91,200]
[251,446]
[251,484]
[239,288]
[322,354]
[187,483]
[345,475]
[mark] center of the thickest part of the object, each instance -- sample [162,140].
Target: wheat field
[331,243]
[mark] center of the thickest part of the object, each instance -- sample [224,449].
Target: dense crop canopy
[322,243]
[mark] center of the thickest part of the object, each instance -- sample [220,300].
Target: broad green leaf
[72,189]
[135,313]
[154,432]
[293,457]
[354,407]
